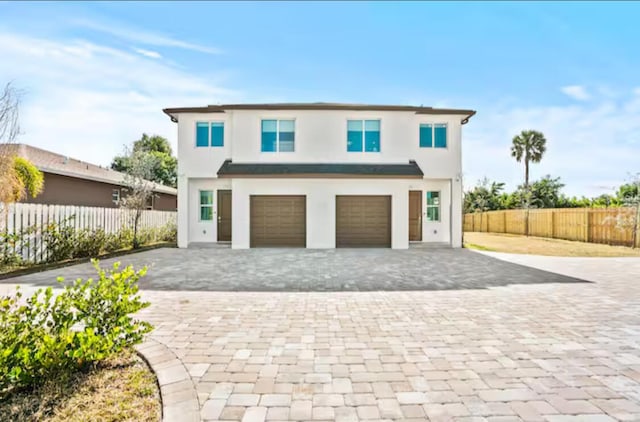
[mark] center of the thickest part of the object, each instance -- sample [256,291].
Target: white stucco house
[319,175]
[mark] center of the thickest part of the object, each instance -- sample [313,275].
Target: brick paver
[517,352]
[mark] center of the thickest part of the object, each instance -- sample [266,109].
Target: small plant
[90,320]
[89,243]
[59,239]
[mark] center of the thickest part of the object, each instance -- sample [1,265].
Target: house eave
[409,169]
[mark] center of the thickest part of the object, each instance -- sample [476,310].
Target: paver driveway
[551,351]
[224,269]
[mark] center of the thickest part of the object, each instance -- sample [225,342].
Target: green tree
[605,200]
[485,196]
[629,193]
[545,193]
[529,146]
[166,165]
[139,187]
[18,176]
[31,179]
[628,190]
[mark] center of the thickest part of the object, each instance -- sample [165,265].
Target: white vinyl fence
[31,219]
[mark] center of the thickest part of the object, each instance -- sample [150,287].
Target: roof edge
[157,187]
[409,169]
[172,111]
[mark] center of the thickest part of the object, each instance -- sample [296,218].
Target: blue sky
[96,75]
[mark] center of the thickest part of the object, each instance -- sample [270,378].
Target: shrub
[59,240]
[126,237]
[169,232]
[31,178]
[166,233]
[9,257]
[12,244]
[113,242]
[146,235]
[88,321]
[88,243]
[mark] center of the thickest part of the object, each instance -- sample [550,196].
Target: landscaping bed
[68,354]
[122,388]
[10,272]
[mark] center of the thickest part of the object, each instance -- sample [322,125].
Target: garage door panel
[278,220]
[363,221]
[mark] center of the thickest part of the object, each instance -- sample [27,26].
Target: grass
[119,389]
[511,243]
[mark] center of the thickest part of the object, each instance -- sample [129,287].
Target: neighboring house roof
[408,170]
[318,106]
[50,162]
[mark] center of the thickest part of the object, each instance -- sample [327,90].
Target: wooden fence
[595,225]
[30,219]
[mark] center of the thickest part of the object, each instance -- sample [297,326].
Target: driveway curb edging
[177,392]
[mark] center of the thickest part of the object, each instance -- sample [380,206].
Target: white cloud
[144,37]
[148,53]
[577,92]
[87,100]
[592,148]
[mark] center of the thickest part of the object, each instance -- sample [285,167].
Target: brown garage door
[363,221]
[278,221]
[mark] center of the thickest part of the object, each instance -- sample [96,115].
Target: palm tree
[529,146]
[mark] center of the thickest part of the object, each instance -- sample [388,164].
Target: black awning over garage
[320,170]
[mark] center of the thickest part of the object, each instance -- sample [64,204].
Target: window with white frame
[278,136]
[433,135]
[433,206]
[115,196]
[209,134]
[363,136]
[206,205]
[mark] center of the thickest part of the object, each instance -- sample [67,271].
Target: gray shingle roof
[50,162]
[409,169]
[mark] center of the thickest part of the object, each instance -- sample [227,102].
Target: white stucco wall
[203,231]
[320,137]
[320,199]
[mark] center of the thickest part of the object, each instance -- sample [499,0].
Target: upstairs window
[363,135]
[217,134]
[206,205]
[433,206]
[210,134]
[433,135]
[202,134]
[278,136]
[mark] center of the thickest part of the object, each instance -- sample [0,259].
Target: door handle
[219,219]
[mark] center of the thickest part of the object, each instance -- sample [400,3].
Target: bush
[169,232]
[62,241]
[59,240]
[89,243]
[113,242]
[90,320]
[8,255]
[166,233]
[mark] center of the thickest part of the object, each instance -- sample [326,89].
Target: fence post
[504,218]
[586,224]
[553,223]
[635,239]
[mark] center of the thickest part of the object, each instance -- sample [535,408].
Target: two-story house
[319,175]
